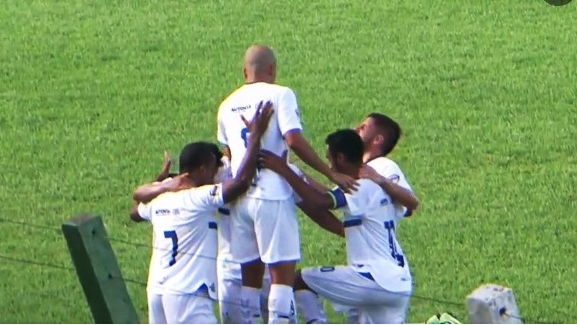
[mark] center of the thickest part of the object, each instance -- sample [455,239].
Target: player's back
[234,133]
[370,222]
[184,245]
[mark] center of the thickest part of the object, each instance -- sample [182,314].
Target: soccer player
[182,273]
[380,135]
[377,281]
[265,219]
[229,272]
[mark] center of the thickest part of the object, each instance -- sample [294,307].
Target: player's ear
[340,158]
[379,139]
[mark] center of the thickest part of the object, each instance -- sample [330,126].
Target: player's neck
[370,155]
[253,79]
[192,182]
[351,170]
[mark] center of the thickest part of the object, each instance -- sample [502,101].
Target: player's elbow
[134,216]
[413,203]
[294,139]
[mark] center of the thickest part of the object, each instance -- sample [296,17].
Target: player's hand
[345,182]
[370,173]
[259,123]
[271,161]
[178,183]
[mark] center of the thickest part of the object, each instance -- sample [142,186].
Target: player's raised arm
[235,187]
[400,194]
[147,192]
[328,200]
[291,129]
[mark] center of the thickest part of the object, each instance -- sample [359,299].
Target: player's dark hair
[390,130]
[194,155]
[347,142]
[217,153]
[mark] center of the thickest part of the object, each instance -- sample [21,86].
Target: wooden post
[98,271]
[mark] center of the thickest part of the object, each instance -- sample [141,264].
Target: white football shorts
[181,309]
[265,229]
[350,290]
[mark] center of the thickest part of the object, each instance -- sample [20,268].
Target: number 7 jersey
[370,219]
[185,240]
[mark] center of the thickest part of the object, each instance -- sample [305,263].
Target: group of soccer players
[225,227]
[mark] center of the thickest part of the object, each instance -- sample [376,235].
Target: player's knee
[299,282]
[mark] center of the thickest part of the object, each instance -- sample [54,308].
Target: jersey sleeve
[206,198]
[220,134]
[288,113]
[393,172]
[145,211]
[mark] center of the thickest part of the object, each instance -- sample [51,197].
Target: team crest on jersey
[394,178]
[384,201]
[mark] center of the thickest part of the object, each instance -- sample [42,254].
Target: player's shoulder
[270,88]
[381,162]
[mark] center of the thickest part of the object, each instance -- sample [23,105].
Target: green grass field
[92,92]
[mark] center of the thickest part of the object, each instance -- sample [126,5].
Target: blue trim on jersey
[408,213]
[367,275]
[352,223]
[224,211]
[340,198]
[292,130]
[212,225]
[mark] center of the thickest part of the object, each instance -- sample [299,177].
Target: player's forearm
[308,155]
[305,191]
[315,184]
[399,194]
[146,193]
[241,183]
[324,218]
[247,169]
[162,176]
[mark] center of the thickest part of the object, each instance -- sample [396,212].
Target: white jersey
[184,240]
[232,132]
[225,227]
[370,221]
[390,170]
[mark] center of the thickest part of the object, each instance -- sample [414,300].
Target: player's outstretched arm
[147,192]
[398,193]
[315,184]
[308,155]
[308,194]
[237,186]
[324,218]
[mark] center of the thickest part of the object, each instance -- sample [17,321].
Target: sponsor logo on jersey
[162,212]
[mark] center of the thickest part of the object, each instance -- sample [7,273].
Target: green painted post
[98,271]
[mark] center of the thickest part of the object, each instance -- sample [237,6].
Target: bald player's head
[259,64]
